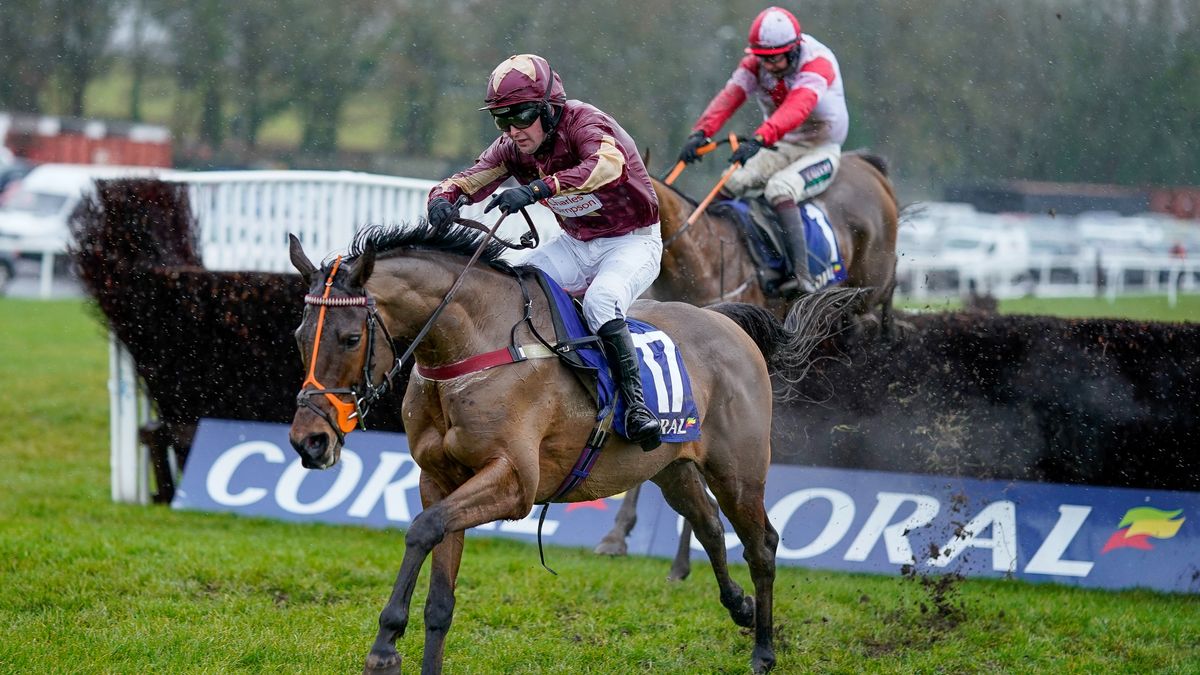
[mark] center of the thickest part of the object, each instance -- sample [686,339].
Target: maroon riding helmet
[522,85]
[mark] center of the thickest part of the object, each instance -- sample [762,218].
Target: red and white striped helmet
[774,31]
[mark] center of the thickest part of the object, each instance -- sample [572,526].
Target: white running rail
[244,218]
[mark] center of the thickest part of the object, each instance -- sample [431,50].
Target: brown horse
[708,261]
[491,444]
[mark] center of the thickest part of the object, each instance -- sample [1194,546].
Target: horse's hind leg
[742,503]
[684,491]
[613,543]
[681,566]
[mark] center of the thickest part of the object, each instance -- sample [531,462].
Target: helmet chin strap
[549,118]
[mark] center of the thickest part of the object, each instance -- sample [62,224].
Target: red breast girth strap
[480,362]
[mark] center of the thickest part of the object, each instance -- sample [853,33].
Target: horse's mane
[878,161]
[388,241]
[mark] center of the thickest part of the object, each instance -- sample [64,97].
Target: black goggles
[520,118]
[773,58]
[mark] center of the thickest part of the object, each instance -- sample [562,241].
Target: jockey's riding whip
[733,145]
[700,151]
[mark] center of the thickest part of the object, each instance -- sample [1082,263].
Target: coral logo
[1141,523]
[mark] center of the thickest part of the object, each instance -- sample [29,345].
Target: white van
[34,213]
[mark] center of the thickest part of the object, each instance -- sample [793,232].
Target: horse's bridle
[349,415]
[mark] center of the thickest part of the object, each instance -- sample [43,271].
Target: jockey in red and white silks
[798,85]
[577,161]
[804,116]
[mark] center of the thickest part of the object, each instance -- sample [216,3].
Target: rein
[703,150]
[351,415]
[529,239]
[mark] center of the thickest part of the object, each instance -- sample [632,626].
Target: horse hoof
[611,547]
[382,664]
[679,573]
[744,616]
[762,661]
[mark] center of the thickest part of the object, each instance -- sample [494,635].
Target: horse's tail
[762,326]
[789,347]
[814,318]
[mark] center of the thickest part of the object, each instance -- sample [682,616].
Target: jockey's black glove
[515,199]
[694,142]
[442,213]
[746,149]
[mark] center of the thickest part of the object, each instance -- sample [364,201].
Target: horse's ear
[646,156]
[364,264]
[301,261]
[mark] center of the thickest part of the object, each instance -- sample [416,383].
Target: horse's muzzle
[313,450]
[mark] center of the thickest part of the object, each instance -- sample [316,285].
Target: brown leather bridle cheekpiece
[349,414]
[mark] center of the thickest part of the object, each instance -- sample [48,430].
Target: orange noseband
[346,412]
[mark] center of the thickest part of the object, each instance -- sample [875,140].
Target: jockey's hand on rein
[515,199]
[746,149]
[694,142]
[442,213]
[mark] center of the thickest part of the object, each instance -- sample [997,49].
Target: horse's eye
[351,341]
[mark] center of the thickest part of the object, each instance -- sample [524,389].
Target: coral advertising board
[836,519]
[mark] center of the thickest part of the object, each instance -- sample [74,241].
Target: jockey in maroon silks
[798,85]
[577,161]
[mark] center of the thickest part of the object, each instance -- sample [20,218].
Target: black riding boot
[641,426]
[796,243]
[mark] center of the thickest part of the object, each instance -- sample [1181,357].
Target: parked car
[34,215]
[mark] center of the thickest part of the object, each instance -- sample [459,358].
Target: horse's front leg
[439,606]
[491,494]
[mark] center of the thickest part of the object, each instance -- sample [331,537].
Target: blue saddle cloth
[825,264]
[665,382]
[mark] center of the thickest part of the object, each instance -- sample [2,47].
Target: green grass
[1138,307]
[93,586]
[364,123]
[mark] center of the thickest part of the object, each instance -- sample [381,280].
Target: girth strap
[479,362]
[577,474]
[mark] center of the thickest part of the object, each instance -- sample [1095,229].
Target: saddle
[665,382]
[763,234]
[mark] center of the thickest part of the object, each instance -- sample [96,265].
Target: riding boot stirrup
[796,243]
[641,426]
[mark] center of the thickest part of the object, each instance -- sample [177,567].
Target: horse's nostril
[315,445]
[311,448]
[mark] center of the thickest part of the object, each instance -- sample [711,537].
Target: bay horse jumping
[708,261]
[491,444]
